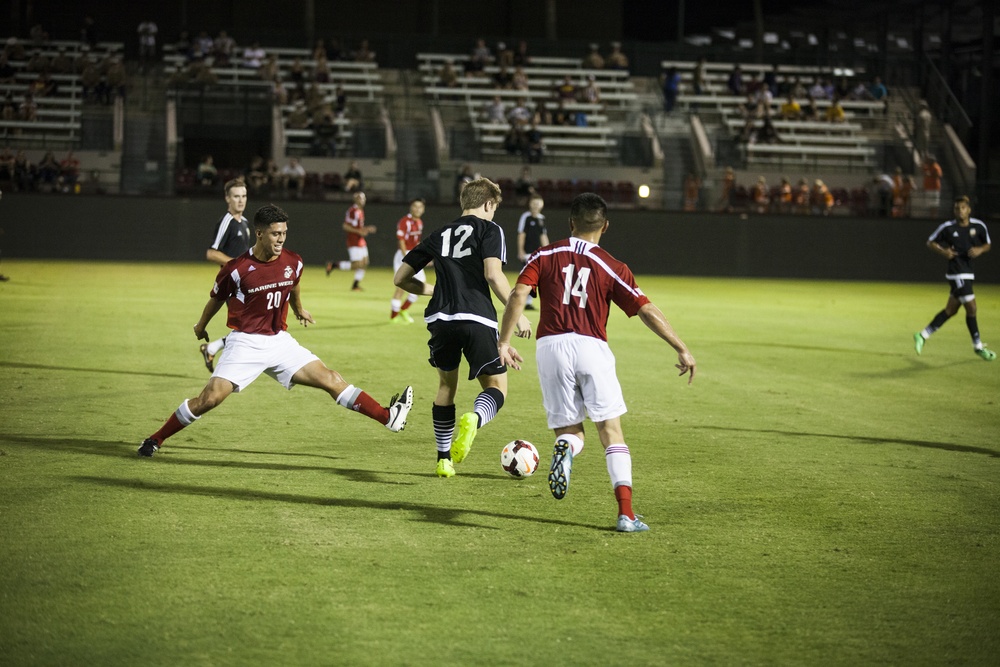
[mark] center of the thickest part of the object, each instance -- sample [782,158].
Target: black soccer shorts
[449,340]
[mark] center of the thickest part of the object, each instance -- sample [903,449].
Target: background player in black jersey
[468,256]
[531,233]
[960,241]
[232,239]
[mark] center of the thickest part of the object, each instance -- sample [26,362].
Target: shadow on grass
[44,367]
[429,513]
[946,446]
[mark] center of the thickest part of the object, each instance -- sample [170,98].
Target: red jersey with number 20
[355,218]
[257,292]
[576,282]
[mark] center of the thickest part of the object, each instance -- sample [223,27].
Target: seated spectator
[671,81]
[147,32]
[533,144]
[520,80]
[752,86]
[269,68]
[519,115]
[325,136]
[616,59]
[878,91]
[593,59]
[8,110]
[279,93]
[835,112]
[298,117]
[821,200]
[69,172]
[692,190]
[566,90]
[591,94]
[562,115]
[293,177]
[207,174]
[542,115]
[62,63]
[339,101]
[503,78]
[797,89]
[256,175]
[514,141]
[28,111]
[496,111]
[860,92]
[184,46]
[38,34]
[319,50]
[223,48]
[117,78]
[760,195]
[364,54]
[24,173]
[203,46]
[809,109]
[14,49]
[524,187]
[447,76]
[735,81]
[37,64]
[44,86]
[767,134]
[817,91]
[333,51]
[727,192]
[253,56]
[313,98]
[784,203]
[771,80]
[321,71]
[801,197]
[521,56]
[479,58]
[48,172]
[790,109]
[829,88]
[505,56]
[297,72]
[353,180]
[842,89]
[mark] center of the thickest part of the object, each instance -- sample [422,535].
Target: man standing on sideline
[531,233]
[959,241]
[259,286]
[577,281]
[357,247]
[468,256]
[232,239]
[409,229]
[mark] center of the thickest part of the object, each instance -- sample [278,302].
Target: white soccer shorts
[357,253]
[577,374]
[249,355]
[397,261]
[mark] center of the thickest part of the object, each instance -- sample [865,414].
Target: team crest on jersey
[288,272]
[972,232]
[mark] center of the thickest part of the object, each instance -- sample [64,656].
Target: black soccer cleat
[148,447]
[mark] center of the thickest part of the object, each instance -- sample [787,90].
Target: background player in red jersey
[577,281]
[357,247]
[259,286]
[409,229]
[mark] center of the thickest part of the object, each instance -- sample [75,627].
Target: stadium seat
[583,185]
[506,187]
[332,181]
[545,188]
[625,192]
[564,192]
[605,189]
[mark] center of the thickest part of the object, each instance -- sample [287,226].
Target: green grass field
[820,495]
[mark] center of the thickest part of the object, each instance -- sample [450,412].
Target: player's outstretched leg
[149,447]
[627,525]
[562,462]
[468,426]
[399,408]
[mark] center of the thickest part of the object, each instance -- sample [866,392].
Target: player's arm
[520,246]
[405,279]
[493,271]
[544,239]
[976,251]
[653,318]
[217,256]
[401,243]
[304,317]
[947,253]
[511,314]
[211,308]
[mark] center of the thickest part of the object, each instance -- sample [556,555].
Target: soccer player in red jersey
[577,281]
[357,247]
[259,286]
[409,229]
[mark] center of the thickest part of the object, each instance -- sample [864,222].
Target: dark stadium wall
[694,244]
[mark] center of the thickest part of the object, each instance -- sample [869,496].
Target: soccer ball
[519,458]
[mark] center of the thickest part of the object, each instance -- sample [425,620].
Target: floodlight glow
[643,191]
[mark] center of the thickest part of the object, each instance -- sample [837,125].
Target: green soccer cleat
[406,317]
[918,342]
[445,468]
[986,355]
[468,426]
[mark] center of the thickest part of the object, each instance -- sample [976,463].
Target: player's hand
[975,251]
[685,364]
[370,229]
[305,318]
[201,334]
[523,327]
[522,257]
[509,356]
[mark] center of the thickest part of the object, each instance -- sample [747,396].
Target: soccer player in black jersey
[468,256]
[960,241]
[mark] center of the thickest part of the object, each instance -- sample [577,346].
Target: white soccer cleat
[399,408]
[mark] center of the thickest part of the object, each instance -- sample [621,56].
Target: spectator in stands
[298,117]
[313,98]
[790,109]
[932,184]
[37,64]
[520,114]
[269,69]
[48,172]
[766,134]
[534,146]
[62,63]
[753,85]
[835,112]
[520,79]
[279,92]
[353,180]
[566,89]
[505,56]
[801,197]
[339,101]
[465,175]
[543,116]
[69,172]
[88,31]
[24,173]
[771,80]
[883,189]
[496,111]
[447,76]
[562,115]
[503,79]
[319,51]
[810,111]
[590,93]
[479,58]
[593,59]
[333,51]
[698,82]
[821,201]
[784,203]
[256,175]
[14,49]
[203,46]
[760,195]
[735,81]
[877,90]
[692,192]
[253,56]
[728,191]
[28,111]
[817,91]
[514,141]
[922,129]
[7,71]
[293,177]
[524,187]
[842,89]
[797,89]
[223,49]
[44,86]
[909,187]
[8,111]
[38,34]
[207,174]
[321,70]
[325,135]
[671,81]
[297,72]
[521,56]
[117,78]
[860,91]
[364,54]
[147,42]
[617,59]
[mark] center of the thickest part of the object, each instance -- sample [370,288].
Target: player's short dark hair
[268,215]
[478,192]
[418,199]
[588,212]
[963,198]
[234,183]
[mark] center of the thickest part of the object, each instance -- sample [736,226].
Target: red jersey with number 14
[355,218]
[410,229]
[577,281]
[257,292]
